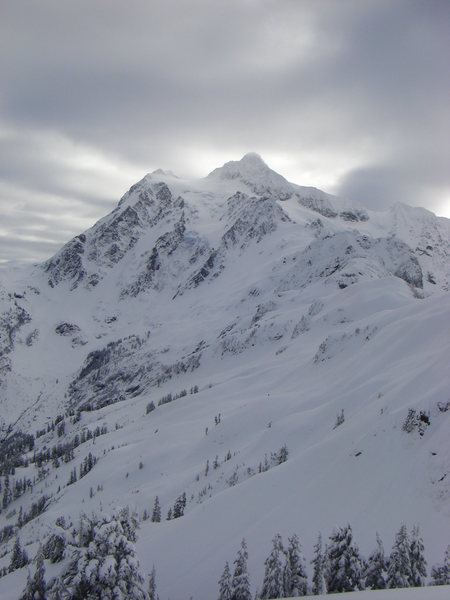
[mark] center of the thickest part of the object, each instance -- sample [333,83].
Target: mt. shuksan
[255,314]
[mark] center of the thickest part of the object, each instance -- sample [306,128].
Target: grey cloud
[412,181]
[364,85]
[14,248]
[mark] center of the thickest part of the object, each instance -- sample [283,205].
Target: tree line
[336,567]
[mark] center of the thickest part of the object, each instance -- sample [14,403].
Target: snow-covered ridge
[205,325]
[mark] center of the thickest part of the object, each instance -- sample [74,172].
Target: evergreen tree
[152,593]
[399,569]
[103,564]
[156,514]
[273,585]
[375,571]
[6,498]
[344,562]
[19,557]
[240,584]
[440,574]
[36,587]
[417,560]
[318,562]
[225,591]
[295,578]
[179,506]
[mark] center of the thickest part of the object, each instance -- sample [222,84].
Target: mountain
[257,316]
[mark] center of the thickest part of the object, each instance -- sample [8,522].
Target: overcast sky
[351,96]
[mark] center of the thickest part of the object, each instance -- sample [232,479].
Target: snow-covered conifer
[273,585]
[344,562]
[417,559]
[375,571]
[156,514]
[36,586]
[240,584]
[318,562]
[129,522]
[399,569]
[225,590]
[104,565]
[295,578]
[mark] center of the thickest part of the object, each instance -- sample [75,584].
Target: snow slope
[283,306]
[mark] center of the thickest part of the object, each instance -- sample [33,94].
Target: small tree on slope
[273,575]
[240,584]
[375,572]
[225,591]
[417,560]
[318,562]
[344,562]
[399,569]
[295,578]
[152,593]
[156,514]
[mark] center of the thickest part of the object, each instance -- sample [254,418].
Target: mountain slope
[251,312]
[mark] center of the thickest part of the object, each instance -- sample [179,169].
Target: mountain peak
[253,158]
[253,172]
[250,164]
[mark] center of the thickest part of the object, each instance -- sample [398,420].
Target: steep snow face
[254,314]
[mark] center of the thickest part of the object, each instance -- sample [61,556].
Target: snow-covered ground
[426,593]
[275,309]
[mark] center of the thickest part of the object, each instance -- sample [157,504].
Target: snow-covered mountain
[255,314]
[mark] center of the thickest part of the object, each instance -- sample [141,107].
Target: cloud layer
[348,96]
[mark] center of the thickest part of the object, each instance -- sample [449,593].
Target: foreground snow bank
[441,592]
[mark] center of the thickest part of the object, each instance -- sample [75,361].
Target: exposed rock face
[87,257]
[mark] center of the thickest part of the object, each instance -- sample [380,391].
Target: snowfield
[256,315]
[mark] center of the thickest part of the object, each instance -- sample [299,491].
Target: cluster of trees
[178,508]
[284,574]
[337,567]
[101,562]
[87,465]
[416,421]
[13,489]
[170,398]
[276,458]
[36,509]
[66,450]
[50,426]
[12,450]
